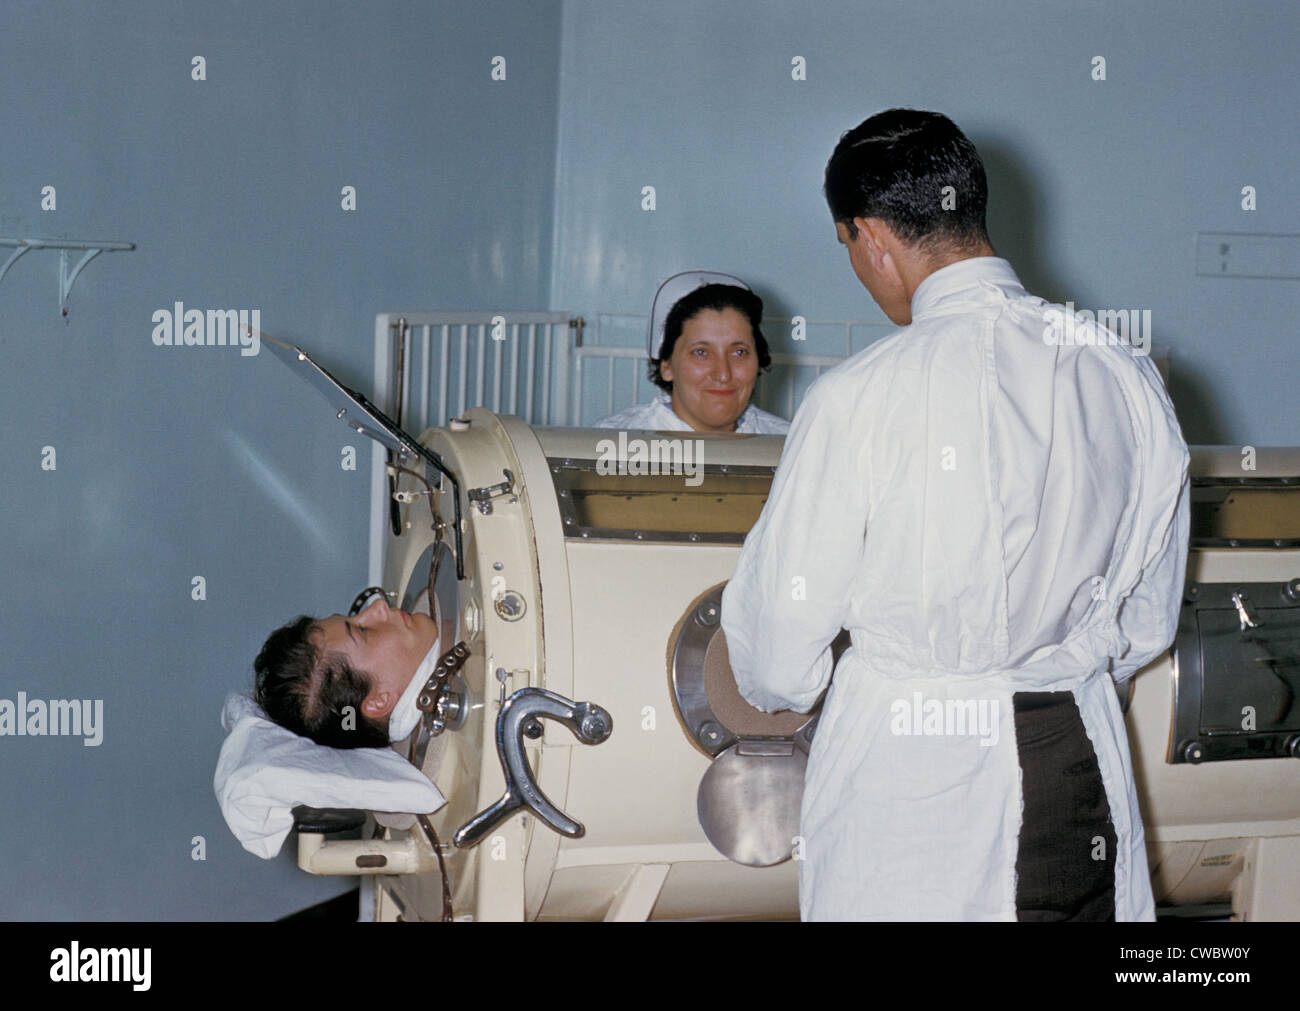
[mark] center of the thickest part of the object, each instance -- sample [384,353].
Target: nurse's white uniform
[986,512]
[658,416]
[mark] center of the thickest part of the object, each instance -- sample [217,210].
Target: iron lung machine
[599,763]
[596,588]
[1214,726]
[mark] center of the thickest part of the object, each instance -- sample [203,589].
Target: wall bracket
[92,249]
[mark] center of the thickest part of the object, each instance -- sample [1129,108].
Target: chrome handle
[519,717]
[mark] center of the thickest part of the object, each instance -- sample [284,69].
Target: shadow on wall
[1015,218]
[1017,228]
[1194,403]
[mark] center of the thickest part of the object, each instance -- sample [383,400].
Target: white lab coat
[985,512]
[658,416]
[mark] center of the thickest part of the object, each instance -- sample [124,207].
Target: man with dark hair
[917,173]
[1000,520]
[339,681]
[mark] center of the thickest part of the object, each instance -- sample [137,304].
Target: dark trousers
[1065,865]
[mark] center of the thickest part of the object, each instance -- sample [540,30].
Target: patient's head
[337,680]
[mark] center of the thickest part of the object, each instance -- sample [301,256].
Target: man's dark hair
[306,690]
[895,165]
[716,297]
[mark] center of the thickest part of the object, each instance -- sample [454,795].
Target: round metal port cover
[748,805]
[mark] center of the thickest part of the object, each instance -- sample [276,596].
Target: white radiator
[512,363]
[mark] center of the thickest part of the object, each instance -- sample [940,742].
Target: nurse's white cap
[673,291]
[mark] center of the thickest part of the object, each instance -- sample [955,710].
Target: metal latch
[482,497]
[1239,600]
[444,700]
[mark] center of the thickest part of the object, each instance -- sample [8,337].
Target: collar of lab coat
[958,278]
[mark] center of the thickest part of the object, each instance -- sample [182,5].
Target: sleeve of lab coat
[1148,617]
[790,592]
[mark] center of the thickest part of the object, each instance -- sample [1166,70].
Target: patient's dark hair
[306,690]
[894,166]
[716,297]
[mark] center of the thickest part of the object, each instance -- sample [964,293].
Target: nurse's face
[713,368]
[385,643]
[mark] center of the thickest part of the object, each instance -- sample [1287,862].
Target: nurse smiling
[706,351]
[713,367]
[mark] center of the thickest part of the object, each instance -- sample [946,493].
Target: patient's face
[713,368]
[386,643]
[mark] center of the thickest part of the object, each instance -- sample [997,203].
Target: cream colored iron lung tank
[556,601]
[591,586]
[1229,830]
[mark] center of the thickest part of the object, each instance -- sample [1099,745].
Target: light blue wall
[177,462]
[180,462]
[1098,188]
